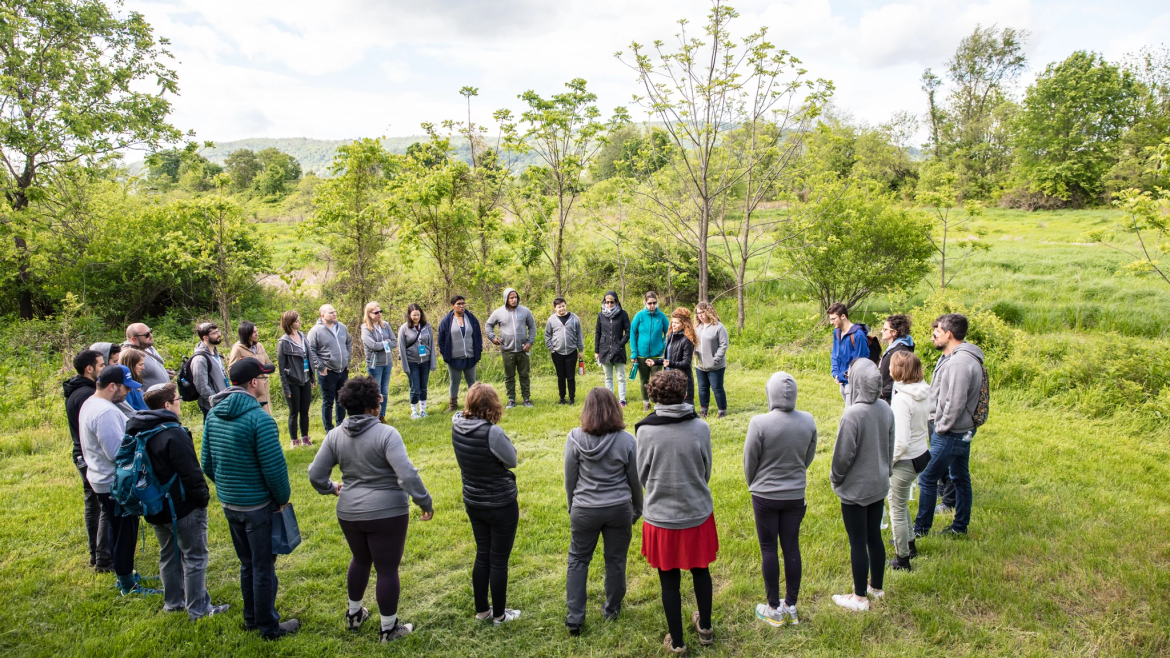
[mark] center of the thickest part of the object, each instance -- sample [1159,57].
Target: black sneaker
[354,620]
[920,532]
[562,401]
[399,631]
[913,549]
[950,531]
[511,404]
[285,628]
[900,564]
[572,401]
[528,403]
[574,631]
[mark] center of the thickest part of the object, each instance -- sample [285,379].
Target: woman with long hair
[298,375]
[379,340]
[680,348]
[712,363]
[610,336]
[135,360]
[911,449]
[249,345]
[416,347]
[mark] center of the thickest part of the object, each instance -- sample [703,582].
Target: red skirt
[689,548]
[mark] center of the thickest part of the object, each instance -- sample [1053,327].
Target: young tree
[1147,220]
[937,192]
[608,207]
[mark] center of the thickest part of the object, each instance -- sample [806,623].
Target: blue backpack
[136,490]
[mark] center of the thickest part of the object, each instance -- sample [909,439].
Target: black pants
[867,551]
[122,536]
[331,383]
[298,409]
[377,543]
[566,365]
[495,532]
[96,523]
[779,518]
[672,600]
[690,373]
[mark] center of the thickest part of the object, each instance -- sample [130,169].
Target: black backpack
[188,392]
[875,349]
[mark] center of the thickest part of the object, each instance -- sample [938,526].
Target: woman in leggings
[780,446]
[674,465]
[378,481]
[860,475]
[298,376]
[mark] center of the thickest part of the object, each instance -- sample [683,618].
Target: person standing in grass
[416,347]
[140,336]
[135,362]
[87,363]
[779,448]
[516,333]
[207,369]
[895,333]
[298,376]
[860,475]
[461,344]
[331,347]
[850,343]
[172,456]
[711,351]
[241,454]
[648,342]
[605,499]
[112,354]
[954,396]
[609,343]
[564,337]
[911,444]
[249,345]
[680,348]
[674,466]
[380,341]
[378,481]
[486,458]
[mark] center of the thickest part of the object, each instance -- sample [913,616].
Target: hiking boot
[285,628]
[900,564]
[703,412]
[645,406]
[770,615]
[354,620]
[453,405]
[943,508]
[528,403]
[706,637]
[399,631]
[509,615]
[849,602]
[668,644]
[950,531]
[913,549]
[511,404]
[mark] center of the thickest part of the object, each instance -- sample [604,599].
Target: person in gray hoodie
[380,340]
[513,329]
[110,353]
[954,395]
[207,368]
[378,481]
[565,339]
[674,466]
[331,347]
[779,448]
[860,475]
[605,499]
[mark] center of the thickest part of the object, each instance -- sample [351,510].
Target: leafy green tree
[243,166]
[77,82]
[1150,67]
[937,193]
[1071,117]
[183,167]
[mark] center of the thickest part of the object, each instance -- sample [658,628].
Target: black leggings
[495,532]
[298,406]
[867,551]
[779,518]
[566,365]
[672,600]
[378,543]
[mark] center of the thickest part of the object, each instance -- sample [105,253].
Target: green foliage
[937,192]
[861,153]
[182,167]
[630,153]
[1147,221]
[271,173]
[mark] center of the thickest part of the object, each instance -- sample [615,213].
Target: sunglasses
[375,312]
[142,335]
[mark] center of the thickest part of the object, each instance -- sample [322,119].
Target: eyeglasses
[375,312]
[143,335]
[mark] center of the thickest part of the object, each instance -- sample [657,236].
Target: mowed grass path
[1069,554]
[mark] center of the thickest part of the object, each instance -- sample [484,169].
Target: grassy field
[1068,554]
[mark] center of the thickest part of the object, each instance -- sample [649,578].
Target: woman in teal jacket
[648,342]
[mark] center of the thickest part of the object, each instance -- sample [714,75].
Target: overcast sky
[358,68]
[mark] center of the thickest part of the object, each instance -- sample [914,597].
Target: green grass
[1069,553]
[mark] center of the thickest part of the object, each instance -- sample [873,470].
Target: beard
[215,341]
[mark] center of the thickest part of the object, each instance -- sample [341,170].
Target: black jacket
[884,367]
[444,339]
[290,363]
[76,391]
[172,451]
[679,351]
[611,334]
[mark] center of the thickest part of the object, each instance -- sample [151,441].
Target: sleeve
[476,337]
[572,467]
[390,336]
[890,443]
[493,321]
[311,346]
[645,461]
[322,467]
[707,453]
[233,356]
[314,364]
[811,452]
[835,360]
[902,416]
[348,343]
[530,327]
[632,478]
[408,477]
[580,336]
[548,334]
[433,352]
[501,446]
[368,341]
[110,430]
[688,353]
[752,446]
[402,348]
[634,338]
[887,380]
[444,337]
[273,468]
[954,403]
[724,343]
[283,365]
[844,452]
[207,461]
[181,454]
[200,373]
[625,328]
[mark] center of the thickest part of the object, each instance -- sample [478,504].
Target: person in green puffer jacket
[241,454]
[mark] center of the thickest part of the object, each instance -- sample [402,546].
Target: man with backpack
[181,525]
[242,455]
[850,342]
[102,426]
[958,406]
[207,371]
[87,363]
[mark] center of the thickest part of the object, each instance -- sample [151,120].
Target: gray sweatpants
[902,476]
[454,375]
[184,583]
[615,524]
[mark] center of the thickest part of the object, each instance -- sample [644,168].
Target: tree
[1147,220]
[78,83]
[1071,117]
[939,195]
[243,166]
[608,207]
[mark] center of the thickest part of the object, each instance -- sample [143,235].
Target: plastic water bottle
[580,365]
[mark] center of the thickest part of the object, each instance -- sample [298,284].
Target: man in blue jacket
[461,346]
[648,342]
[850,342]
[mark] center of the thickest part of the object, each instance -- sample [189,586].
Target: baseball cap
[249,368]
[118,374]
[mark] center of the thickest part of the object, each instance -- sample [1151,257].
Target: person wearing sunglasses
[380,341]
[140,337]
[609,343]
[648,342]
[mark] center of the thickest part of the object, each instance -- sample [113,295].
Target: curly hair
[668,387]
[359,395]
[482,402]
[688,326]
[900,323]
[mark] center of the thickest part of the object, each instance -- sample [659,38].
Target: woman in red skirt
[674,465]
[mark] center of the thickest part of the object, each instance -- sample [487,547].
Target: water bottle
[580,365]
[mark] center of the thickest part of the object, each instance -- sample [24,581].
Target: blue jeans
[381,374]
[420,374]
[330,383]
[252,539]
[949,455]
[711,380]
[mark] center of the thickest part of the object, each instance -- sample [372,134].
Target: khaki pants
[517,362]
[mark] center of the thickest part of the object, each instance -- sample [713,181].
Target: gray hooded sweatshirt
[516,326]
[860,472]
[330,350]
[379,343]
[954,390]
[155,371]
[602,471]
[711,352]
[104,349]
[564,337]
[674,466]
[377,477]
[208,373]
[780,444]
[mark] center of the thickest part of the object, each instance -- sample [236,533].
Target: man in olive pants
[513,328]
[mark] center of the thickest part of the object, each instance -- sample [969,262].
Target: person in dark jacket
[680,348]
[609,343]
[895,333]
[605,500]
[850,343]
[182,564]
[87,363]
[486,457]
[461,346]
[298,375]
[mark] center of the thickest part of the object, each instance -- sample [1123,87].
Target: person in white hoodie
[911,408]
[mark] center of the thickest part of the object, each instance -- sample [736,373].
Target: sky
[369,68]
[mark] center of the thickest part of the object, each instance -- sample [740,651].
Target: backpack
[875,349]
[983,406]
[188,392]
[136,489]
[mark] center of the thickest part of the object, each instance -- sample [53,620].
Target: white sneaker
[875,593]
[422,413]
[769,615]
[789,611]
[509,615]
[849,603]
[414,415]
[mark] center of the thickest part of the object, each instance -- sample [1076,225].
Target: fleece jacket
[674,466]
[780,444]
[860,472]
[515,327]
[602,471]
[102,426]
[954,390]
[648,334]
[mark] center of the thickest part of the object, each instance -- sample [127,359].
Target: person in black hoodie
[680,348]
[182,568]
[87,363]
[609,343]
